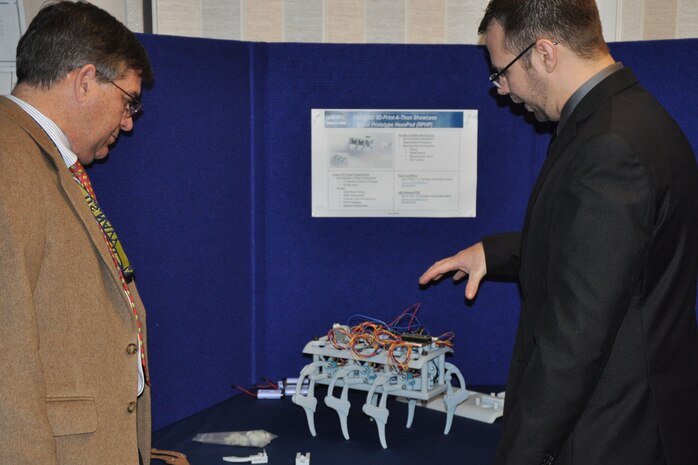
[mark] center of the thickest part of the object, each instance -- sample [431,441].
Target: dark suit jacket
[605,364]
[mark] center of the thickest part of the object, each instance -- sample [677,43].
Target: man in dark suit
[605,363]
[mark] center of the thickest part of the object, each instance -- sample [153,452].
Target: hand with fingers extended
[468,262]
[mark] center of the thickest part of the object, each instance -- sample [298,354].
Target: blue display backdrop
[211,197]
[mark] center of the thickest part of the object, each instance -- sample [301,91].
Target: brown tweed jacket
[68,372]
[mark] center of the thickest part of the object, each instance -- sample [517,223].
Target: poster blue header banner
[393,119]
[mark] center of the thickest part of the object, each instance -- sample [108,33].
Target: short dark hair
[574,23]
[67,35]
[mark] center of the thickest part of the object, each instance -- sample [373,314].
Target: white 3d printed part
[257,458]
[478,406]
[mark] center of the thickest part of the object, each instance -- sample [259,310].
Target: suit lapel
[65,180]
[555,148]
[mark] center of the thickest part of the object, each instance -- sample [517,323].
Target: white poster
[394,163]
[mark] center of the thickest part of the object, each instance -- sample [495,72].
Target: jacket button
[131,407]
[131,349]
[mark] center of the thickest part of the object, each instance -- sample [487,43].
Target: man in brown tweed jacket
[73,389]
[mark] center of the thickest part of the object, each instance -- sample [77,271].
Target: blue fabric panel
[322,270]
[178,192]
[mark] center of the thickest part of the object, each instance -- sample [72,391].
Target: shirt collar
[580,93]
[57,136]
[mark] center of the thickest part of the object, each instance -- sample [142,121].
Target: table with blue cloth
[469,442]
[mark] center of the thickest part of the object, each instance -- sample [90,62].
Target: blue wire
[364,318]
[360,318]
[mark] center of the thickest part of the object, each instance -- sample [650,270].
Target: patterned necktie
[116,251]
[83,181]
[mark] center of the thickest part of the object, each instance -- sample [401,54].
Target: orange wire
[245,391]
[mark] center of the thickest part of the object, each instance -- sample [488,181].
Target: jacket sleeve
[597,233]
[25,434]
[502,254]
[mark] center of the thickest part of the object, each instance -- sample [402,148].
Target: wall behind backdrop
[372,21]
[211,198]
